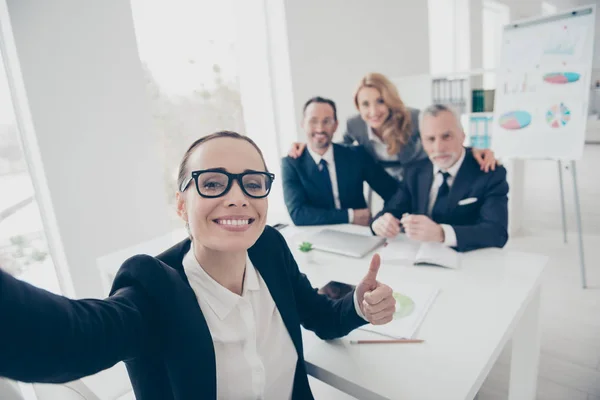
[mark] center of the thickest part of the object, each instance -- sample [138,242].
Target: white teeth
[235,222]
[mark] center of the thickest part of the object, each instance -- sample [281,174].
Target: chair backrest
[9,390]
[75,390]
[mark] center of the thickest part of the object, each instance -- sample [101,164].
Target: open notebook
[402,250]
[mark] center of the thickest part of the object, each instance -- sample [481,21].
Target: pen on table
[386,341]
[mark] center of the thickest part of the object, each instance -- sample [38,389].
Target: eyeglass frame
[327,122]
[230,178]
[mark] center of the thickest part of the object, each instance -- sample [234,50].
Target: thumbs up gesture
[374,298]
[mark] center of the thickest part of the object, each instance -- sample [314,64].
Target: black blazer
[483,223]
[308,200]
[153,322]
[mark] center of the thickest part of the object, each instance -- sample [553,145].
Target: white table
[494,297]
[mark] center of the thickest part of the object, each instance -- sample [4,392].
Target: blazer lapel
[317,179]
[343,178]
[462,182]
[425,180]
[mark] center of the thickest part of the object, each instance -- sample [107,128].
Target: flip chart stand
[573,171]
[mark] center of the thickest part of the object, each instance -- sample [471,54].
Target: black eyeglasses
[213,183]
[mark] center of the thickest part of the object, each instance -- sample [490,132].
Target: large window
[23,247]
[187,48]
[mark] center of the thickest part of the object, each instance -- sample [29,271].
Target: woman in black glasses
[216,316]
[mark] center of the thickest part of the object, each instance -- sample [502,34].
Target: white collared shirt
[438,179]
[328,157]
[382,154]
[255,356]
[380,147]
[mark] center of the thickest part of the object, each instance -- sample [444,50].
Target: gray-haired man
[447,198]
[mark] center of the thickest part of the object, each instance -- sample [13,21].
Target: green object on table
[305,247]
[404,305]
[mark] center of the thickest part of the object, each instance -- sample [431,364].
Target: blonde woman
[388,129]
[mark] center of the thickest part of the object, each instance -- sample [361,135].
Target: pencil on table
[383,341]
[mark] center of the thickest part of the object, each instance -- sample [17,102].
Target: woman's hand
[375,299]
[485,158]
[296,150]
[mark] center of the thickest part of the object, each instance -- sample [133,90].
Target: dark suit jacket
[307,198]
[153,322]
[483,223]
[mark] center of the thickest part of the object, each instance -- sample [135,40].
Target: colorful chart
[561,77]
[558,115]
[404,305]
[515,119]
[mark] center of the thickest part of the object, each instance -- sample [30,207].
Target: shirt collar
[219,299]
[328,156]
[453,170]
[372,136]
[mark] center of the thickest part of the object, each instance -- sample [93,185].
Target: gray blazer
[356,131]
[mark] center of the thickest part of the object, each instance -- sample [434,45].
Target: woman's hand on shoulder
[297,149]
[486,159]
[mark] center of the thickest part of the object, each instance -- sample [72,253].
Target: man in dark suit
[447,198]
[325,184]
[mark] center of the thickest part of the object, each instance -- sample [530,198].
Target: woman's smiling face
[234,221]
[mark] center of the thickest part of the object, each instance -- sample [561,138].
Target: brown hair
[183,170]
[396,130]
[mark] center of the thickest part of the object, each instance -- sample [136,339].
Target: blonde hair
[396,130]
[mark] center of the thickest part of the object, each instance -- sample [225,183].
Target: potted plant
[306,251]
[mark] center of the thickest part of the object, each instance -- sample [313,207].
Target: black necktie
[326,178]
[441,201]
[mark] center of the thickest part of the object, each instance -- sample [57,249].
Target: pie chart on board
[558,115]
[561,77]
[518,119]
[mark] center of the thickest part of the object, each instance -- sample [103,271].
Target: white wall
[87,98]
[333,43]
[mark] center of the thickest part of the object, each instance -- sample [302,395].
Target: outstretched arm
[50,338]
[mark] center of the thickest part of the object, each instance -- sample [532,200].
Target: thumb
[373,268]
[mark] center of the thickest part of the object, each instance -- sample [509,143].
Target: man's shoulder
[347,154]
[472,163]
[497,175]
[288,161]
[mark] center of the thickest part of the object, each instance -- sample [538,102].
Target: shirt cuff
[357,307]
[350,215]
[449,235]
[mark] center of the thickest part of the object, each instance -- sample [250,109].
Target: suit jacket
[310,202]
[357,131]
[479,224]
[153,322]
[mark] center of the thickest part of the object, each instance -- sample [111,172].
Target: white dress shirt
[328,157]
[380,147]
[438,179]
[255,356]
